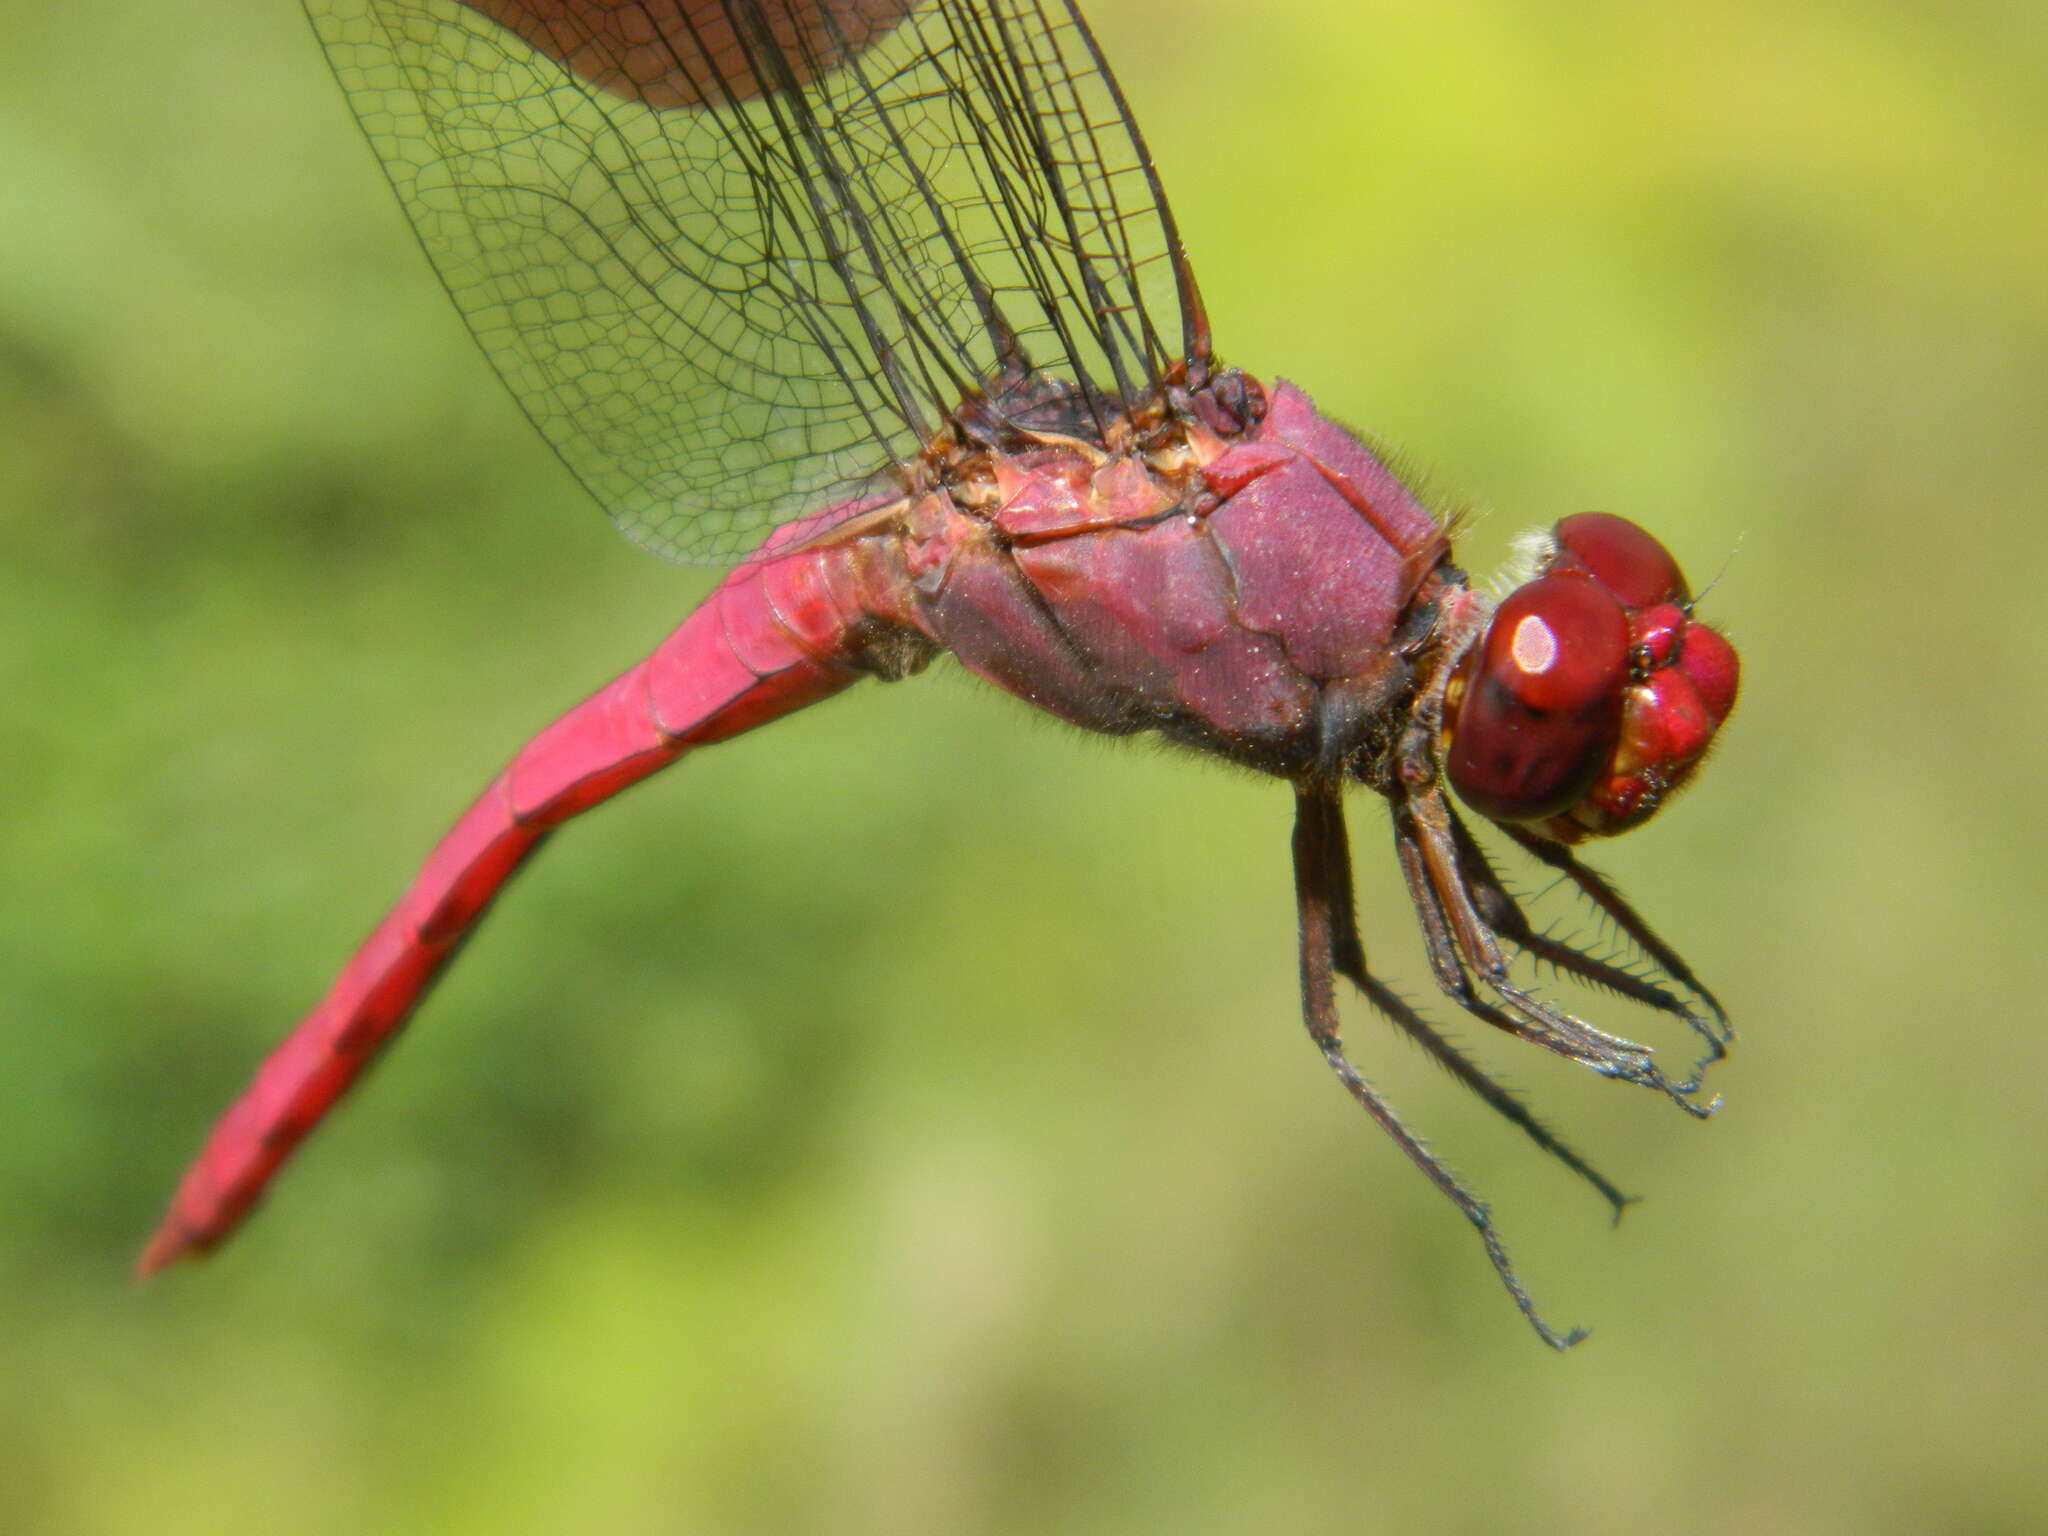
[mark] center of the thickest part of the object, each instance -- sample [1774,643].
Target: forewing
[737,259]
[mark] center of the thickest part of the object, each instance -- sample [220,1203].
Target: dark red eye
[1541,707]
[1621,557]
[1709,660]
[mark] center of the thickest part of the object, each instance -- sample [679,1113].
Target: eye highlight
[1534,647]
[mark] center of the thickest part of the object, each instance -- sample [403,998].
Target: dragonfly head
[1594,694]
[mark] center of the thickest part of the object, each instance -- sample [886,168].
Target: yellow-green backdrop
[898,1122]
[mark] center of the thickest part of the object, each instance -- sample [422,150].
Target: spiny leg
[1318,899]
[1586,1046]
[1505,915]
[1596,888]
[1461,947]
[1468,949]
[1334,844]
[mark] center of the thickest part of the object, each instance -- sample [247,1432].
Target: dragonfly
[881,304]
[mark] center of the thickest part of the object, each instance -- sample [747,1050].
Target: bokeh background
[898,1122]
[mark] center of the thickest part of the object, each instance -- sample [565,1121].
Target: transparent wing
[736,258]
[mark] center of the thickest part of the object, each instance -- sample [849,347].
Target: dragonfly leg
[1597,889]
[1464,948]
[1504,913]
[1349,956]
[1322,901]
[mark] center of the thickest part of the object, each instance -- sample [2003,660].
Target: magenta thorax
[1256,594]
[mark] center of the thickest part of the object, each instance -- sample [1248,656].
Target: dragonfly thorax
[1236,573]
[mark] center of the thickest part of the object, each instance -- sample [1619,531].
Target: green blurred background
[898,1122]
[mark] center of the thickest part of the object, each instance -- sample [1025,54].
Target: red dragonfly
[881,301]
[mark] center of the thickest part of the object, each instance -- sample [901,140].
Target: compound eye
[1541,709]
[1624,559]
